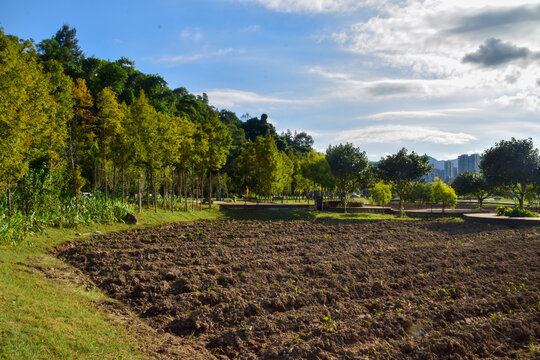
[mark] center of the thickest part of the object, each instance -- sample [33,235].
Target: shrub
[381,194]
[515,212]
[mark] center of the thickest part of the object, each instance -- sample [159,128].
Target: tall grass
[60,212]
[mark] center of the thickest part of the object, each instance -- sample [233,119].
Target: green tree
[402,170]
[314,167]
[63,47]
[110,118]
[473,184]
[348,165]
[514,166]
[265,169]
[421,193]
[54,132]
[24,107]
[444,195]
[145,139]
[381,193]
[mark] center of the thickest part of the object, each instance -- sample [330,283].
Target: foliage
[348,165]
[513,165]
[444,194]
[514,212]
[421,193]
[381,193]
[474,184]
[402,170]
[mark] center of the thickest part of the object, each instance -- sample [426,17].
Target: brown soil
[327,289]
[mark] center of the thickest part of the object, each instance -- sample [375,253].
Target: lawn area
[50,313]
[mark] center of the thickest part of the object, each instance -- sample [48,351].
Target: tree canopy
[348,165]
[513,165]
[402,170]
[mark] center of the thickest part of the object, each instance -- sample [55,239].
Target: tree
[381,193]
[54,132]
[422,193]
[265,169]
[255,127]
[444,194]
[401,170]
[314,167]
[348,164]
[63,47]
[110,118]
[145,139]
[513,165]
[473,184]
[24,104]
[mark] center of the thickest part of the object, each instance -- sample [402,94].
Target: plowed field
[328,289]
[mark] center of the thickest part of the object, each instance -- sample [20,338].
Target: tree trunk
[210,192]
[147,192]
[184,175]
[154,191]
[9,198]
[192,193]
[201,195]
[172,191]
[114,181]
[106,182]
[139,195]
[165,194]
[123,185]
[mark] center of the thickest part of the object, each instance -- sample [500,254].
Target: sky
[438,77]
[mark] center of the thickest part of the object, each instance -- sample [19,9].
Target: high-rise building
[450,171]
[468,163]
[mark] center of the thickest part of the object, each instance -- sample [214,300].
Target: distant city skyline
[442,78]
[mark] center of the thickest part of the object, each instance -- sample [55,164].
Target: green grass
[42,318]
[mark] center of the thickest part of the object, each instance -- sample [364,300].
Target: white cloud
[400,133]
[177,59]
[231,97]
[252,28]
[313,6]
[186,34]
[524,100]
[419,114]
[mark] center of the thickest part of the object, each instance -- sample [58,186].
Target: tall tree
[53,132]
[513,165]
[110,118]
[24,105]
[146,138]
[402,170]
[63,47]
[473,184]
[348,165]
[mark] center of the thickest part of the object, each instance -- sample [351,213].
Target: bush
[515,212]
[381,194]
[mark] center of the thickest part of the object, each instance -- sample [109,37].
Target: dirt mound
[328,290]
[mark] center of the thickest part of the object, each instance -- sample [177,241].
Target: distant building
[435,173]
[450,172]
[468,163]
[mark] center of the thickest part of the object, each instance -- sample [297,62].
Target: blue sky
[438,77]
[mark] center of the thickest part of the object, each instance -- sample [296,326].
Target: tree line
[71,124]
